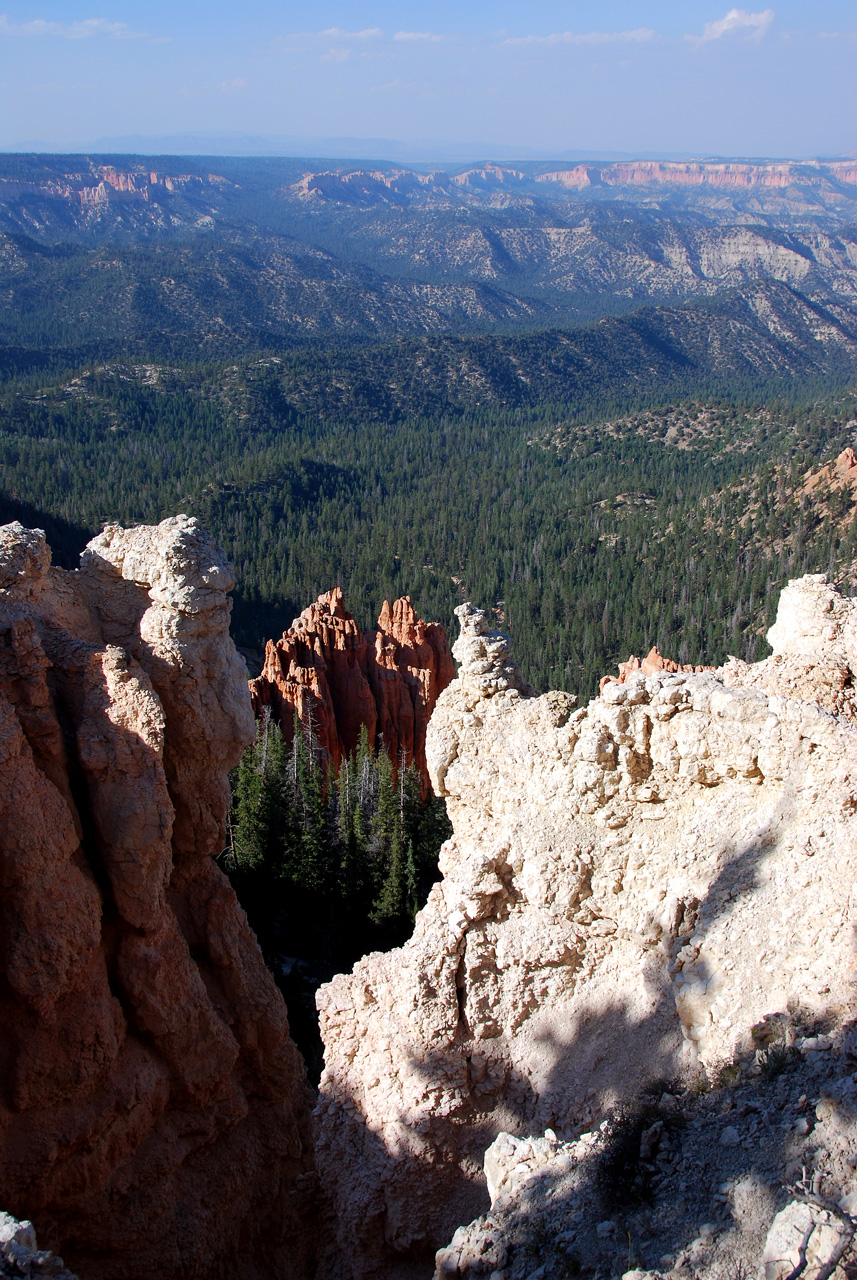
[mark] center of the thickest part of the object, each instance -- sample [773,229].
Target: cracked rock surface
[644,888]
[153,1110]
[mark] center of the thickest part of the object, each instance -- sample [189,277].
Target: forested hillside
[371,378]
[328,866]
[182,258]
[591,534]
[384,383]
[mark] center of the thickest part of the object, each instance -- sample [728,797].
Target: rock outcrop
[20,1254]
[153,1110]
[339,678]
[639,889]
[653,663]
[96,184]
[402,186]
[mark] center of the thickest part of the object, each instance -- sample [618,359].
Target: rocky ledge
[20,1255]
[643,892]
[748,1172]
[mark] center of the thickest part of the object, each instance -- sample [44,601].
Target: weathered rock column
[154,1116]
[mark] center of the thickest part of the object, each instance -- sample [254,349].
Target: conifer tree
[312,864]
[261,803]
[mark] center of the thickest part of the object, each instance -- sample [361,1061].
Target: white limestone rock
[25,556]
[632,888]
[805,1241]
[20,1254]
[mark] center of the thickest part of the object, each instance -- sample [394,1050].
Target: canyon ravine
[649,888]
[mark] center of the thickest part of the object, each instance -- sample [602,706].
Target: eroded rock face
[339,678]
[653,663]
[633,889]
[815,649]
[153,1110]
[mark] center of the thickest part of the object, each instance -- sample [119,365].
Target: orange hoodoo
[653,662]
[339,678]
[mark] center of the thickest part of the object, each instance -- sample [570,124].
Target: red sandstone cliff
[98,184]
[342,678]
[733,175]
[153,1109]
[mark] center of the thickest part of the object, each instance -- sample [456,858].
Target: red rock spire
[339,678]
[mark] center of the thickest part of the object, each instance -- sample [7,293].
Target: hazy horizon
[677,77]
[420,152]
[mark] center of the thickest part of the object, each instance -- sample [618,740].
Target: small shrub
[773,1060]
[624,1179]
[699,1084]
[727,1075]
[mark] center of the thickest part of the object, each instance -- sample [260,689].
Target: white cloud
[232,86]
[417,35]
[638,35]
[336,55]
[87,28]
[735,20]
[337,33]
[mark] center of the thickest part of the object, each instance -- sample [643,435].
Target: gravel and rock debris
[750,1174]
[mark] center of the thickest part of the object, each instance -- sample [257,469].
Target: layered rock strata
[634,890]
[339,679]
[153,1110]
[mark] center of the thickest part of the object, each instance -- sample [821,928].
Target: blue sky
[619,75]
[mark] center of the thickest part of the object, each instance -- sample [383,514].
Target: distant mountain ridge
[181,253]
[830,184]
[826,180]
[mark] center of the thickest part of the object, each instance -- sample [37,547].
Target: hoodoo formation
[154,1114]
[656,887]
[339,679]
[653,663]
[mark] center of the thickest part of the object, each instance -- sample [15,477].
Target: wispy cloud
[336,55]
[232,86]
[338,33]
[637,36]
[418,35]
[85,29]
[736,20]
